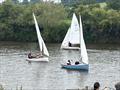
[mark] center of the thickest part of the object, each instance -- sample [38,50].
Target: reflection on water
[16,71]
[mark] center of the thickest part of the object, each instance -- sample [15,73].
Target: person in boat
[77,62]
[39,55]
[69,62]
[96,86]
[69,44]
[30,56]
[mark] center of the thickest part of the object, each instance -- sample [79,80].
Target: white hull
[43,59]
[70,48]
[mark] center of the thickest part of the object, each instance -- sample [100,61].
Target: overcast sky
[56,1]
[1,1]
[18,0]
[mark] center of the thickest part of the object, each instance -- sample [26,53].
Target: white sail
[66,39]
[74,31]
[84,55]
[38,33]
[40,40]
[45,51]
[72,35]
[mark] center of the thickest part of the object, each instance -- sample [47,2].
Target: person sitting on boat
[77,62]
[69,44]
[39,55]
[69,62]
[30,56]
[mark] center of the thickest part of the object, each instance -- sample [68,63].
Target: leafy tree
[17,21]
[114,4]
[100,23]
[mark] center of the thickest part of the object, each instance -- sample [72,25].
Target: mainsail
[72,35]
[40,40]
[74,31]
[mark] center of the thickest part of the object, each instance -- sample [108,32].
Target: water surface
[15,71]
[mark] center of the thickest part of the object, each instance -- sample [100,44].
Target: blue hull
[77,67]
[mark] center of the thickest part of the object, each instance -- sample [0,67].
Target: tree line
[101,21]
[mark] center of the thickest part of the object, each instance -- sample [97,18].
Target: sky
[1,1]
[56,1]
[19,1]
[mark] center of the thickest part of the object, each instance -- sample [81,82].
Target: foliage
[1,87]
[101,22]
[114,4]
[16,20]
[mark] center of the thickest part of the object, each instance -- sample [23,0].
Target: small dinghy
[83,54]
[43,49]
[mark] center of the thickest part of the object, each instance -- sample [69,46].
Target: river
[16,72]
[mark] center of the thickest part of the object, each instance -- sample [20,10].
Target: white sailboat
[72,36]
[84,57]
[42,46]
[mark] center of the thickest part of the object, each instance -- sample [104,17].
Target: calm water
[15,71]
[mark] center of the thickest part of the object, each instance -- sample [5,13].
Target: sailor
[39,55]
[69,62]
[77,62]
[69,44]
[30,56]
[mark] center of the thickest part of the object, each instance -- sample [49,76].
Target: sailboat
[42,46]
[83,55]
[71,40]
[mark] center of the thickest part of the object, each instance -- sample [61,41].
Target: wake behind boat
[83,55]
[43,55]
